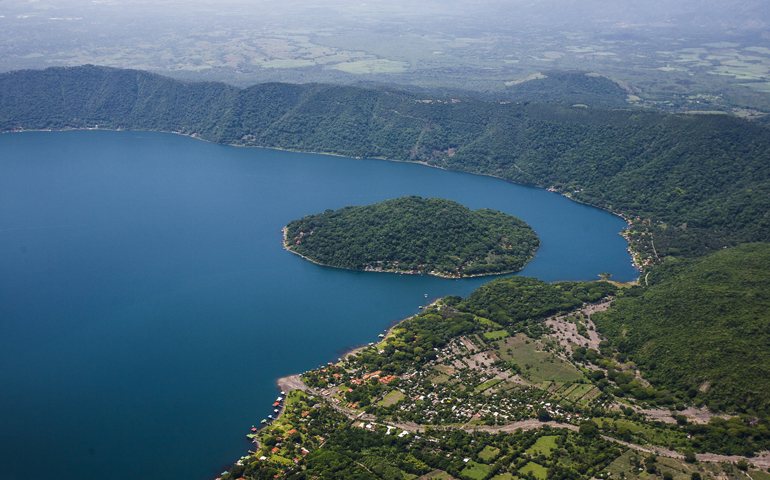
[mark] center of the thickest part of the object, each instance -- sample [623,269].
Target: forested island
[415,235]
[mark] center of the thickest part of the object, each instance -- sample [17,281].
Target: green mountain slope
[702,327]
[702,181]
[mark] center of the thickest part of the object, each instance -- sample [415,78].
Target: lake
[147,306]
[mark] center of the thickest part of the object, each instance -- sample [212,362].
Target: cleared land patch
[476,471]
[539,471]
[488,453]
[392,398]
[537,365]
[544,446]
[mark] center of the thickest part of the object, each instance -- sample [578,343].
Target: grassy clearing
[445,369]
[439,379]
[491,452]
[537,366]
[489,323]
[759,475]
[488,384]
[476,471]
[539,471]
[544,446]
[437,475]
[393,397]
[505,476]
[496,335]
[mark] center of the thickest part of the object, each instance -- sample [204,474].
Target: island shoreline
[405,272]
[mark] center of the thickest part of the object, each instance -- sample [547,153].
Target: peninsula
[415,235]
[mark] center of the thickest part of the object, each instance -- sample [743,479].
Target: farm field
[537,365]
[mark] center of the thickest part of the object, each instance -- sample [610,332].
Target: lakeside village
[472,382]
[549,400]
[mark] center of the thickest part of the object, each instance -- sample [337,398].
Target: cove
[147,306]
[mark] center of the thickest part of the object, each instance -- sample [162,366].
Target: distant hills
[702,182]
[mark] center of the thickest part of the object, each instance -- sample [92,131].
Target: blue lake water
[147,307]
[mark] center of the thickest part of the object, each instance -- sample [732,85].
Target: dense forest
[700,181]
[415,235]
[702,328]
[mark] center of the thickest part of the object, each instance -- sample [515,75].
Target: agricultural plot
[544,446]
[539,471]
[437,475]
[579,391]
[475,471]
[496,335]
[391,398]
[489,453]
[488,384]
[537,365]
[504,476]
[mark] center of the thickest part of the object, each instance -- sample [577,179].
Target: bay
[147,306]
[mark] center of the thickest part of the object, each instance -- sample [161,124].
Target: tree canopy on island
[416,235]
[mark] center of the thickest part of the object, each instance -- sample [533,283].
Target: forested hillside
[415,235]
[702,181]
[702,328]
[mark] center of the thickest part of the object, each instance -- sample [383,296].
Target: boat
[263,421]
[270,417]
[276,411]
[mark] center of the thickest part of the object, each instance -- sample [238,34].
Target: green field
[759,475]
[488,384]
[393,397]
[539,471]
[488,453]
[543,366]
[437,475]
[544,446]
[504,476]
[476,471]
[579,391]
[496,335]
